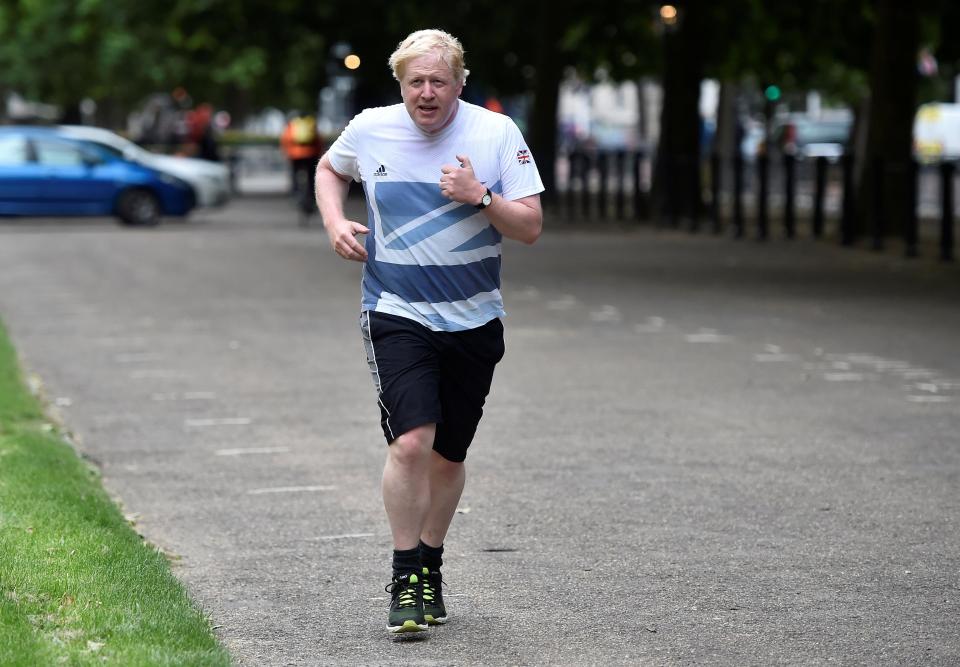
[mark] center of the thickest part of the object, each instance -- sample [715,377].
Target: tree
[892,104]
[676,183]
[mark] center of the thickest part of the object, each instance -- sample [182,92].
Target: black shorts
[425,377]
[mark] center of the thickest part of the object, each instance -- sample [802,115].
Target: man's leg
[446,485]
[406,485]
[406,498]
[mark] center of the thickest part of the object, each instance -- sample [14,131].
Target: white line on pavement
[289,489]
[929,399]
[224,421]
[775,356]
[155,373]
[708,336]
[566,302]
[606,314]
[652,325]
[346,536]
[843,377]
[251,450]
[136,357]
[915,373]
[185,396]
[198,395]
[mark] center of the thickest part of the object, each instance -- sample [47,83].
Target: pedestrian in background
[202,140]
[302,146]
[445,180]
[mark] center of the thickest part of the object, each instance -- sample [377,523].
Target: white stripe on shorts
[375,371]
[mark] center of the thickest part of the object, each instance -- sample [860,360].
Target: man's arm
[331,191]
[519,219]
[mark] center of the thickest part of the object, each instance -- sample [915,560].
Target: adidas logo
[382,171]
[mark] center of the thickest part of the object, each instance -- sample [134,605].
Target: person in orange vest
[301,144]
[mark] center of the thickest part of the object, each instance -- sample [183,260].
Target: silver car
[210,180]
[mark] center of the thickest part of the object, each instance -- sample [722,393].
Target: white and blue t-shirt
[429,258]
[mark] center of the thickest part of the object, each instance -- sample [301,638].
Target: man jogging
[444,180]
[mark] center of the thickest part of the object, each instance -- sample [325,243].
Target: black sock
[406,561]
[431,557]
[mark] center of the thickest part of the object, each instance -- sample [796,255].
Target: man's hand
[460,183]
[331,191]
[342,237]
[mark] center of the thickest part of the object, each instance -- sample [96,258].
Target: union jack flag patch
[523,156]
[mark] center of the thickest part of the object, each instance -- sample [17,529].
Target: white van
[936,132]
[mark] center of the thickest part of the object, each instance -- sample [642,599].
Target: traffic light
[772,93]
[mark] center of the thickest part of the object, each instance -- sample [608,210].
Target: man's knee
[413,447]
[446,468]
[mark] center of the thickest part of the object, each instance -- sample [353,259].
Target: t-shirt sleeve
[344,151]
[518,170]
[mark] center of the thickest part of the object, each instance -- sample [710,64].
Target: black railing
[815,194]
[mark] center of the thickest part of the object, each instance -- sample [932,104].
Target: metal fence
[813,196]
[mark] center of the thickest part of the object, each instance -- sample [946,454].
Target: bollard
[696,205]
[603,168]
[789,210]
[738,195]
[946,211]
[639,202]
[911,234]
[585,191]
[233,165]
[763,171]
[878,223]
[621,160]
[715,166]
[818,196]
[573,160]
[669,171]
[847,222]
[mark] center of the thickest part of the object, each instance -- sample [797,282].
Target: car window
[55,154]
[114,152]
[13,151]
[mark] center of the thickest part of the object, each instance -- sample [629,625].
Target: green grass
[77,585]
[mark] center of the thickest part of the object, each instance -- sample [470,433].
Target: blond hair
[425,42]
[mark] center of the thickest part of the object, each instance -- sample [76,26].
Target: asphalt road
[697,450]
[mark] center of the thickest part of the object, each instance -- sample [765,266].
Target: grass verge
[77,585]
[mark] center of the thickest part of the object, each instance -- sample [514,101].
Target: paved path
[697,451]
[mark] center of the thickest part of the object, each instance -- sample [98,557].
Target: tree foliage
[277,52]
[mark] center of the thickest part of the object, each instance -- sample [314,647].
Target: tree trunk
[893,93]
[676,181]
[546,95]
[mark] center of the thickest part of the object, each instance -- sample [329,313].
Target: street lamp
[668,14]
[352,61]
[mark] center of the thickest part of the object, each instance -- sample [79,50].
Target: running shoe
[433,610]
[406,604]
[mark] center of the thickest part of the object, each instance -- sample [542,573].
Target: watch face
[486,199]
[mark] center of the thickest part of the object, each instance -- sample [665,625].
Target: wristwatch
[486,199]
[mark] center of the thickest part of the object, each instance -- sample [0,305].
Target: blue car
[44,173]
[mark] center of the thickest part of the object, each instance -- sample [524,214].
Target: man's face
[430,92]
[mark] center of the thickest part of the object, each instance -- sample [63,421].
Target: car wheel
[139,207]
